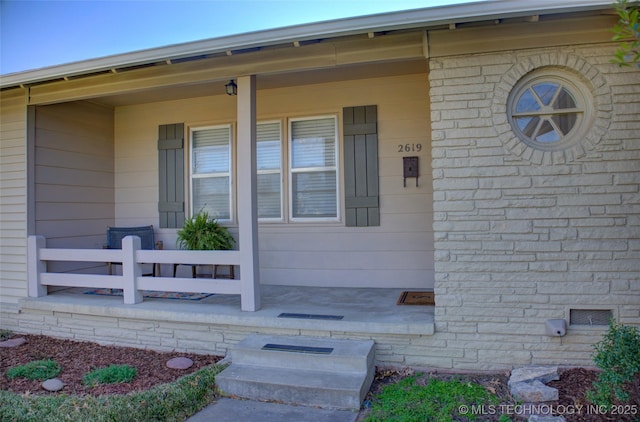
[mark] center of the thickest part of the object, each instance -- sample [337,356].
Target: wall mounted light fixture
[231,88]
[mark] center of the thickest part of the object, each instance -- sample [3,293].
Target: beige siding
[74,175]
[13,199]
[398,253]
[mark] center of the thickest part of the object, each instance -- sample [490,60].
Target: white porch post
[247,194]
[131,270]
[35,266]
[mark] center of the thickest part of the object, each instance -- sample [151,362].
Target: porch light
[231,88]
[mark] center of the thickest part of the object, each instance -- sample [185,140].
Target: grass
[35,370]
[436,400]
[112,374]
[167,402]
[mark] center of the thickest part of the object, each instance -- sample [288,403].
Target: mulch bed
[79,357]
[572,387]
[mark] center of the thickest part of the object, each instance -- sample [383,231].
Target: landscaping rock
[14,342]
[179,363]
[54,384]
[544,374]
[533,392]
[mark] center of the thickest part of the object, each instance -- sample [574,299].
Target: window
[312,171]
[547,110]
[269,157]
[313,189]
[211,171]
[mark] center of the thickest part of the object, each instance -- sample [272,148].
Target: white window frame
[582,110]
[291,171]
[228,174]
[280,171]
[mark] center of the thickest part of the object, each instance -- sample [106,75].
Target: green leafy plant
[36,370]
[203,233]
[618,355]
[437,400]
[627,31]
[112,374]
[5,335]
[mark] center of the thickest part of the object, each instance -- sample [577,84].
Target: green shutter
[171,175]
[361,166]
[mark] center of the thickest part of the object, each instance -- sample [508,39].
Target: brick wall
[523,235]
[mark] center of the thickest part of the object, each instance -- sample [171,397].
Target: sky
[42,33]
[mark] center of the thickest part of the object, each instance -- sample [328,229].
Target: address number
[409,147]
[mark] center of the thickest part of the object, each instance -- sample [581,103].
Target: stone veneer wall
[521,235]
[204,333]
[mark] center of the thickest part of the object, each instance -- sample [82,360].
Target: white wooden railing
[131,281]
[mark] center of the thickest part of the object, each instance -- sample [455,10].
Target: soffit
[428,18]
[265,82]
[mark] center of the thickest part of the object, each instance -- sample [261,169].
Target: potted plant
[203,233]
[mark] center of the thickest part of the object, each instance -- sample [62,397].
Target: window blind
[313,168]
[269,151]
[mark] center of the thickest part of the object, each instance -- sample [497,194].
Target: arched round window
[548,111]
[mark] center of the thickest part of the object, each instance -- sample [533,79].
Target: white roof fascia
[417,18]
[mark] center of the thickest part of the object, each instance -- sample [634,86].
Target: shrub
[618,355]
[112,374]
[37,370]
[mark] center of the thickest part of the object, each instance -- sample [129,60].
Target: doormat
[416,298]
[151,294]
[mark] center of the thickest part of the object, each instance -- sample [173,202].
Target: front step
[307,371]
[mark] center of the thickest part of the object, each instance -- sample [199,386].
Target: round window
[547,111]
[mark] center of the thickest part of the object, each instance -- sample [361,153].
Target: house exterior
[525,208]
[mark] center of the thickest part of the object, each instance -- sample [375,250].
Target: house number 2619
[409,147]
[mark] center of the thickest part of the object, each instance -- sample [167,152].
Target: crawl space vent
[590,316]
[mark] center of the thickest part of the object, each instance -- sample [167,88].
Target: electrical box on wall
[410,169]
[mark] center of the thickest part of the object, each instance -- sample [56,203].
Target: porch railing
[131,280]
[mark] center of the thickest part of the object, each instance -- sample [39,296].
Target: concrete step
[295,386]
[307,371]
[347,355]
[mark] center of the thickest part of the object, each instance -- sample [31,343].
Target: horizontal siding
[398,253]
[74,181]
[13,197]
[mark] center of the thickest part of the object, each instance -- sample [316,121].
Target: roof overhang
[411,19]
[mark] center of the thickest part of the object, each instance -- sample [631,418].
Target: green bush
[37,370]
[112,374]
[5,335]
[618,355]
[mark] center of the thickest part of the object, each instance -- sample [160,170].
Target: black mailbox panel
[410,169]
[410,166]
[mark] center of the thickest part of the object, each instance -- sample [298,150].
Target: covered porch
[214,324]
[95,160]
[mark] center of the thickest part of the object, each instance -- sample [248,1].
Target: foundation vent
[590,316]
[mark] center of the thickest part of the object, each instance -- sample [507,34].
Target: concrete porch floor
[364,310]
